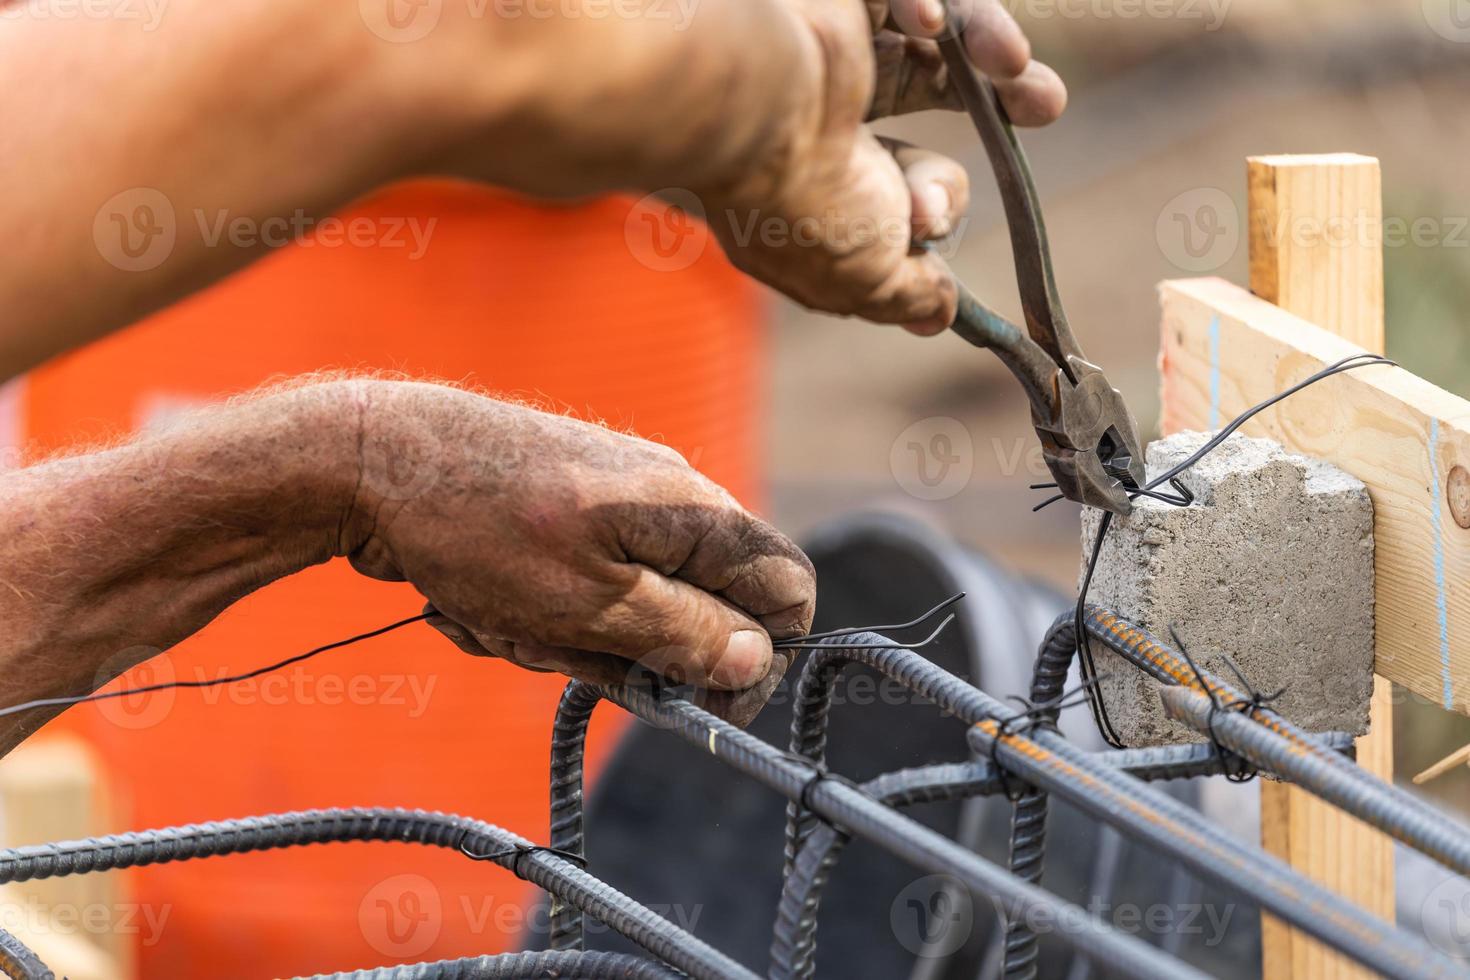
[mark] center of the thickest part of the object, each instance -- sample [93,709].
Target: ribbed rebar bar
[1264,746]
[793,948]
[862,816]
[793,944]
[568,744]
[1142,812]
[19,962]
[550,965]
[809,717]
[475,838]
[1355,790]
[1028,815]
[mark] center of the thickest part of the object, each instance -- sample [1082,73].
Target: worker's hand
[911,74]
[564,546]
[853,205]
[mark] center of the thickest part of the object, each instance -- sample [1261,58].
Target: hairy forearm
[109,558]
[133,138]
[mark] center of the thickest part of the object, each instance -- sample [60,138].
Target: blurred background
[804,417]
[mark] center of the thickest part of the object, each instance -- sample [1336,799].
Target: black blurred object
[674,828]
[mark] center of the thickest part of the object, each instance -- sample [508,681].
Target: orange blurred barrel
[615,311]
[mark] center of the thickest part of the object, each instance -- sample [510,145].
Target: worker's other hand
[847,206]
[564,546]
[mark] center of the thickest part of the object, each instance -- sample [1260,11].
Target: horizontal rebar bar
[475,838]
[1138,809]
[520,966]
[1268,749]
[1397,813]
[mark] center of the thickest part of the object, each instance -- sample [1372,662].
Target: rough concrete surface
[1272,565]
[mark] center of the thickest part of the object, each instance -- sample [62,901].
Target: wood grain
[1316,250]
[1381,424]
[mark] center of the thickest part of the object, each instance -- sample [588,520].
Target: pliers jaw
[1089,440]
[1088,436]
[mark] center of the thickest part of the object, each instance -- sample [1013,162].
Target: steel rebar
[475,838]
[1401,815]
[862,816]
[550,965]
[1139,810]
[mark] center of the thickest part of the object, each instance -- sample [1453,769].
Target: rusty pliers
[1088,437]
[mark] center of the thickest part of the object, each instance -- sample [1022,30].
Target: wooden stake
[1316,251]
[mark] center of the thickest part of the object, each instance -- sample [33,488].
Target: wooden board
[1408,440]
[1225,349]
[1316,250]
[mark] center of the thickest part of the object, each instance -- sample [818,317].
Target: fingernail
[745,661]
[936,201]
[931,14]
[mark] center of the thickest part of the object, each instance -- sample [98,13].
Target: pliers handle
[1088,436]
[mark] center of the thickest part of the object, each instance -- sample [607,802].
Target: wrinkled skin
[564,546]
[878,197]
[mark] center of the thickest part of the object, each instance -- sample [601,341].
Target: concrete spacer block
[1272,565]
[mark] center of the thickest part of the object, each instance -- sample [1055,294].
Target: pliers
[1088,436]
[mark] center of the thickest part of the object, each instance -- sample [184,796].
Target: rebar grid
[826,811]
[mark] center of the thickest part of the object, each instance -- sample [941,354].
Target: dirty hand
[863,201]
[563,546]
